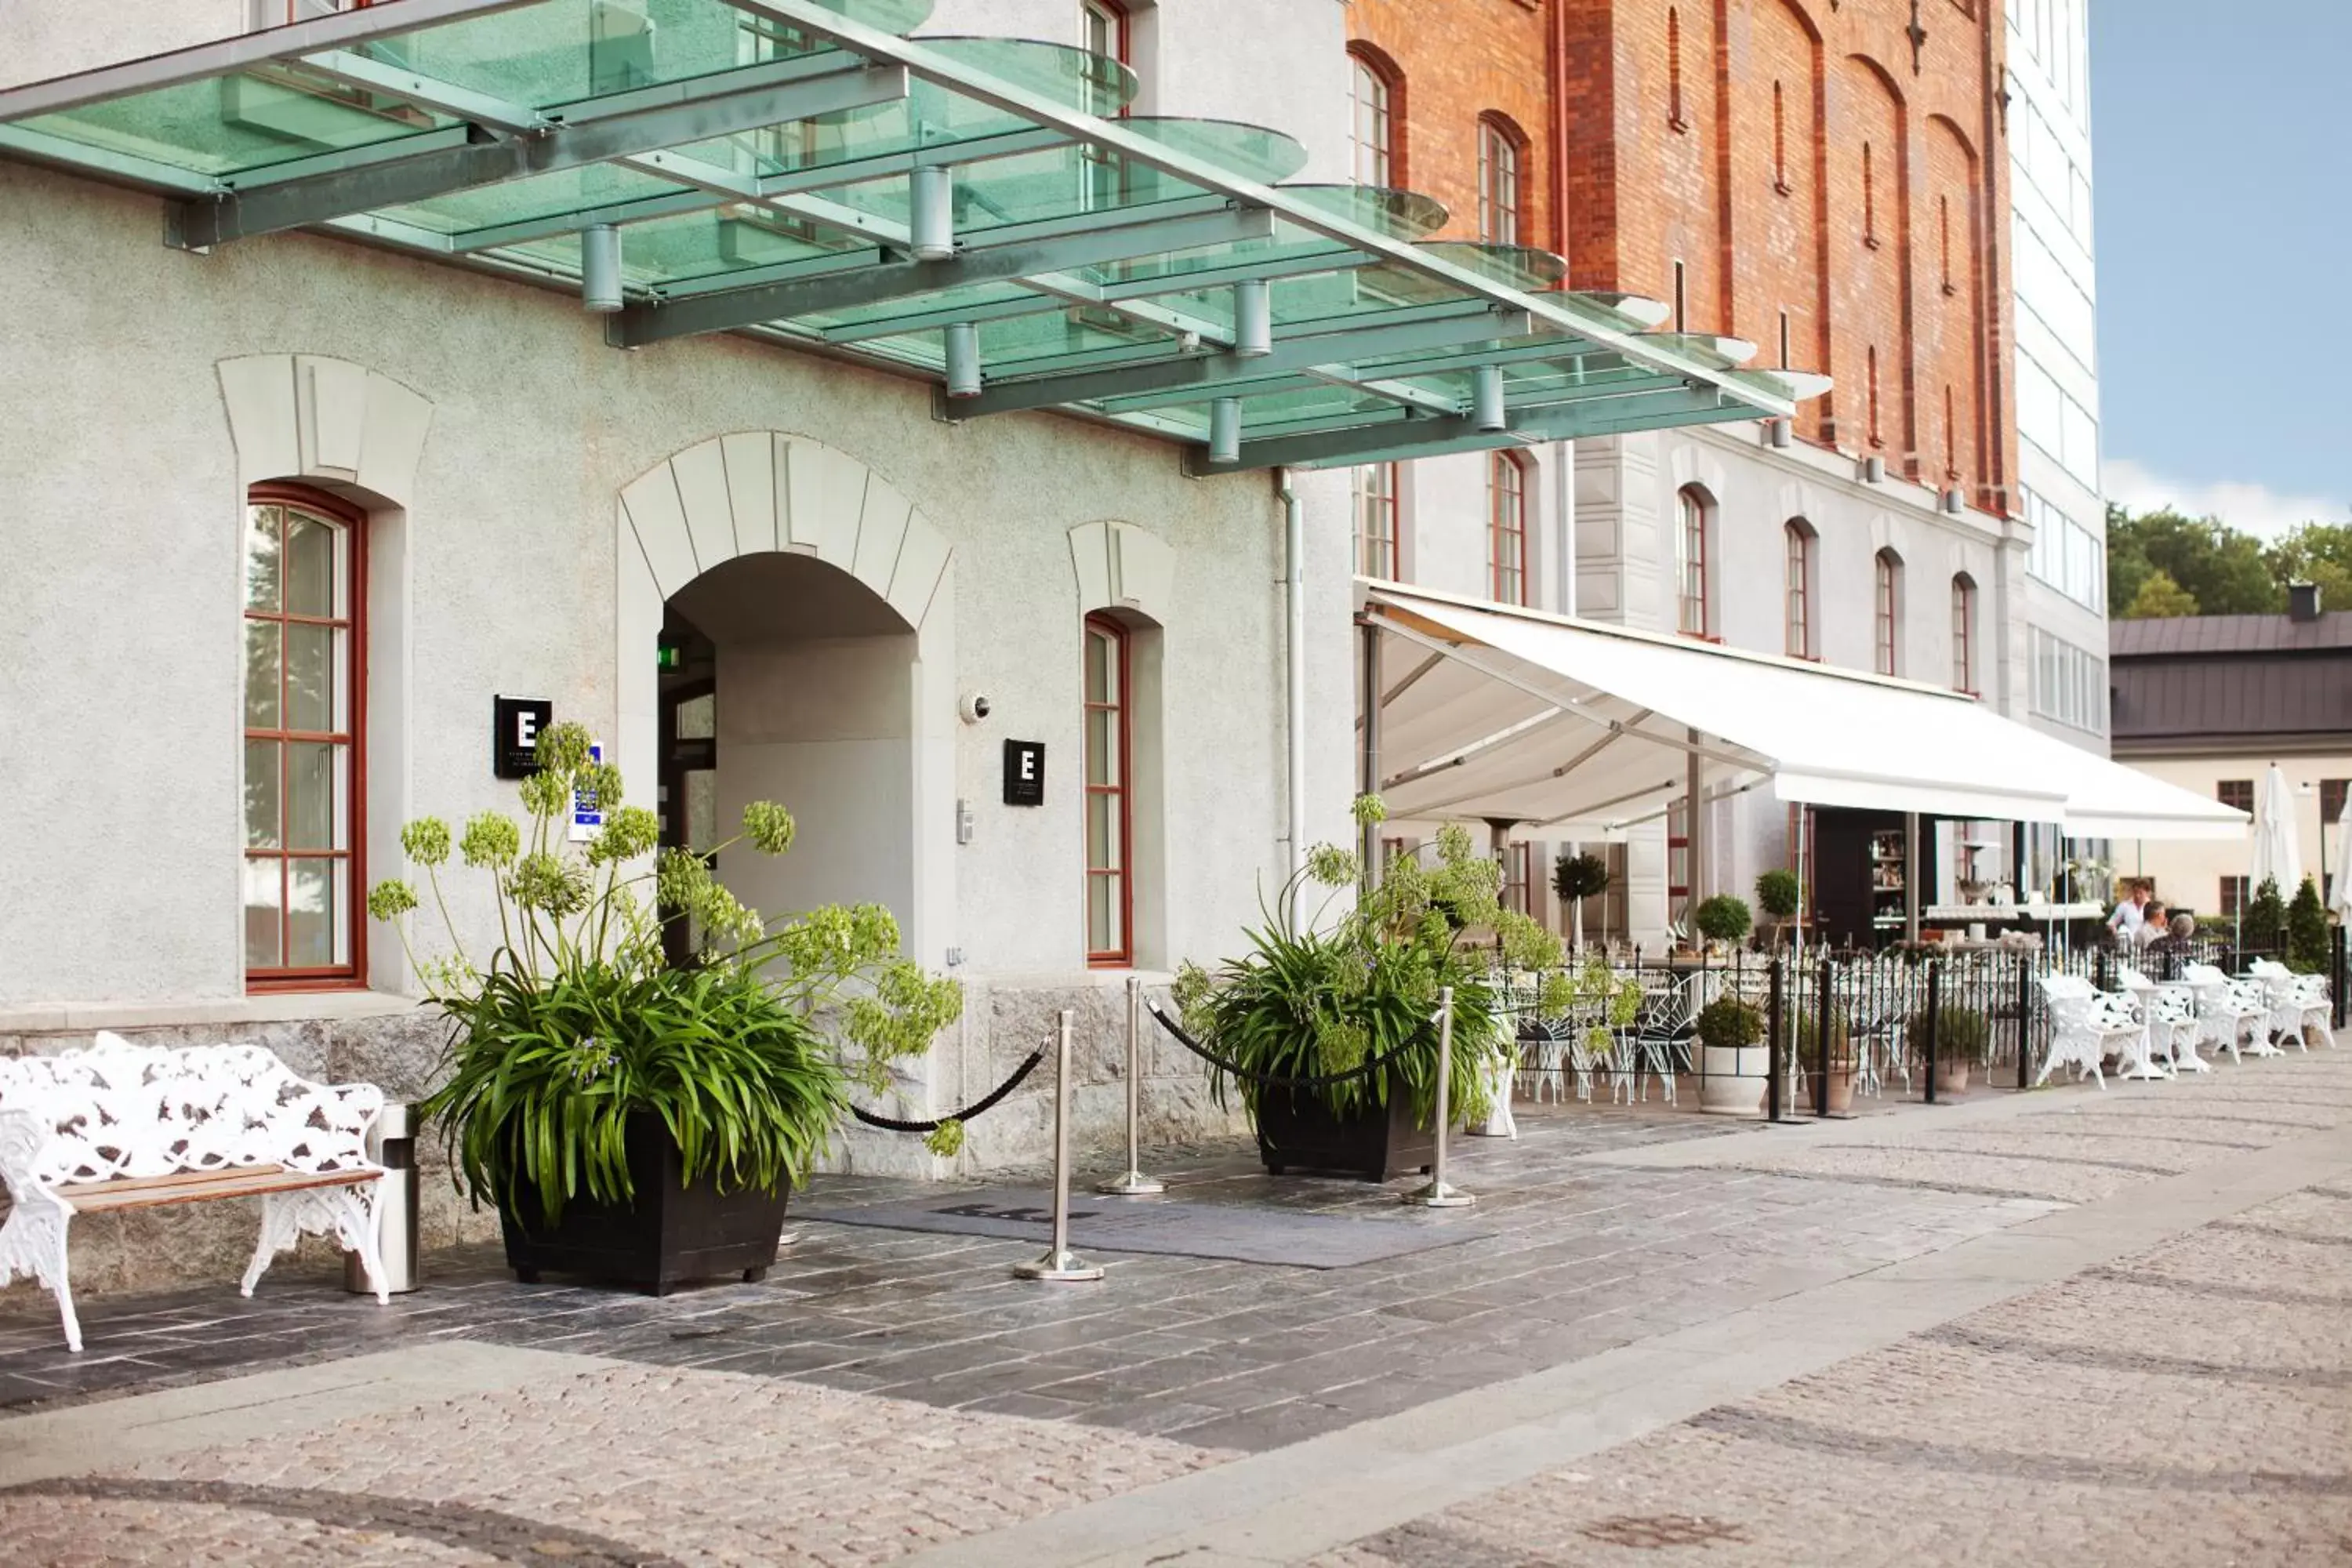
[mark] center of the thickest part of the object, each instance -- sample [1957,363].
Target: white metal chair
[2230,1013]
[1659,1040]
[2085,1024]
[2169,1012]
[2298,1002]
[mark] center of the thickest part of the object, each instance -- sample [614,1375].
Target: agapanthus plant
[577,1020]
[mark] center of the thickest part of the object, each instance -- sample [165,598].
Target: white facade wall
[142,397]
[2187,874]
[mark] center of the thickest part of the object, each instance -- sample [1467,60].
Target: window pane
[1102,747]
[1099,667]
[310,676]
[1103,934]
[312,924]
[261,914]
[261,557]
[261,653]
[309,566]
[1102,831]
[314,796]
[262,796]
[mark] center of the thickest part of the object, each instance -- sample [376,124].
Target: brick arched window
[1376,91]
[1888,597]
[1109,799]
[1501,152]
[305,739]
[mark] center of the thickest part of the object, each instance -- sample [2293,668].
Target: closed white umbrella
[2340,898]
[2277,857]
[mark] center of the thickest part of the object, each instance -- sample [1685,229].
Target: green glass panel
[698,244]
[1070,77]
[244,120]
[542,196]
[1401,215]
[1517,264]
[1253,151]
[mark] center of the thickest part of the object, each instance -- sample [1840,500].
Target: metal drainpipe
[1293,552]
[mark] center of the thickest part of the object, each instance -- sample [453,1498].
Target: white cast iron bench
[2298,1003]
[120,1126]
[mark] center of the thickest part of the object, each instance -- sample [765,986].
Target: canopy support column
[1294,577]
[1695,834]
[1368,770]
[1911,877]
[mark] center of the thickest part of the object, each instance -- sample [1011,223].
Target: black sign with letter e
[1025,773]
[514,734]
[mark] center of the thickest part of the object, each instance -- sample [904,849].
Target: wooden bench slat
[127,1183]
[238,1184]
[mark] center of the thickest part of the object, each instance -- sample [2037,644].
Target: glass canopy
[983,212]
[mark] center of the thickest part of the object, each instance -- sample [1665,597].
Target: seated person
[2153,926]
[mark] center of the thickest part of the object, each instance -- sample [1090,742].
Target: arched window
[1372,132]
[1499,220]
[1799,581]
[1103,24]
[305,749]
[1693,517]
[1110,822]
[1506,527]
[1889,598]
[1964,642]
[1376,522]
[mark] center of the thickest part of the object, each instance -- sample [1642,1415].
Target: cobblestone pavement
[886,1392]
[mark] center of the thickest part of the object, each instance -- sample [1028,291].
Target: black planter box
[1298,1132]
[672,1233]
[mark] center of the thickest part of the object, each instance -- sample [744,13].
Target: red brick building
[1820,178]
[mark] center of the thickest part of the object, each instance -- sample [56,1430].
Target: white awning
[1583,728]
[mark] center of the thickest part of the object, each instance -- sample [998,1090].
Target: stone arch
[750,494]
[306,417]
[1122,567]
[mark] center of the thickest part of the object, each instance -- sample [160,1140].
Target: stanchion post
[1436,1194]
[1060,1264]
[1933,978]
[2335,976]
[2024,1022]
[1776,1035]
[1824,984]
[1134,1183]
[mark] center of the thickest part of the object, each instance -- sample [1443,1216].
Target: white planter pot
[1733,1084]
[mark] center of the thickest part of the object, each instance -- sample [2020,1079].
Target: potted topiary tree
[634,1121]
[1962,1035]
[2306,930]
[1320,991]
[1723,919]
[1731,1034]
[1576,878]
[2262,925]
[1776,895]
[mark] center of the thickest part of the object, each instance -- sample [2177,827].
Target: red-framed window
[1376,93]
[1888,573]
[1691,617]
[1798,537]
[2237,892]
[1500,214]
[1110,819]
[2238,793]
[1377,554]
[1518,878]
[1964,642]
[1507,528]
[1104,29]
[2331,799]
[305,740]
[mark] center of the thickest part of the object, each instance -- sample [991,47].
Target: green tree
[2225,572]
[2306,930]
[2261,927]
[2159,598]
[2317,552]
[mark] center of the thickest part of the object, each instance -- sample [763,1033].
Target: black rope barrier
[1319,1081]
[976,1108]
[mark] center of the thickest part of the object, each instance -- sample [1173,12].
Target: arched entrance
[799,605]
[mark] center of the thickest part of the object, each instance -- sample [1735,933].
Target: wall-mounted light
[599,267]
[1225,430]
[1253,318]
[1486,410]
[963,360]
[930,222]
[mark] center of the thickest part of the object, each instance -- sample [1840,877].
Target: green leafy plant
[576,1022]
[1777,892]
[2262,926]
[1962,1033]
[1722,918]
[2306,930]
[1576,878]
[1323,992]
[1727,1023]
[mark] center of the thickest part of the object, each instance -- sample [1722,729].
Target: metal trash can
[393,1145]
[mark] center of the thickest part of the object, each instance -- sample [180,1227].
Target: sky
[2222,179]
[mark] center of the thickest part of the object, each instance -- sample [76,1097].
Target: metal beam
[1219,375]
[200,62]
[270,206]
[482,109]
[816,17]
[839,288]
[1597,415]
